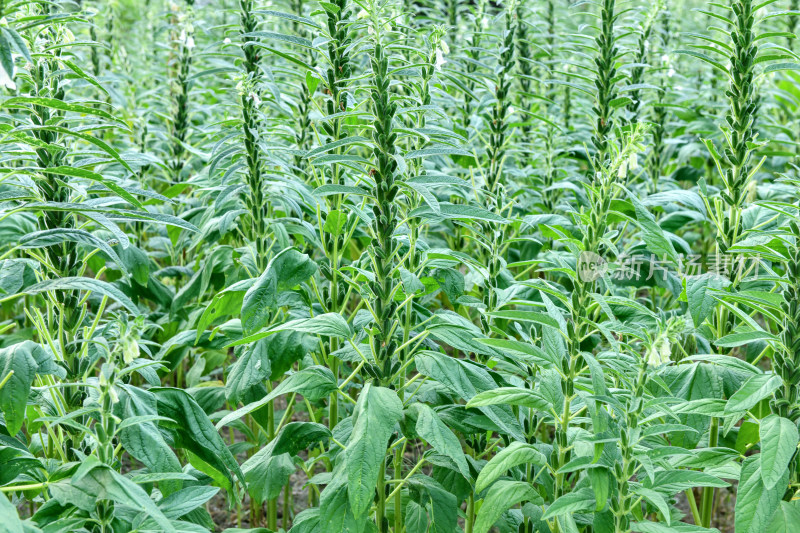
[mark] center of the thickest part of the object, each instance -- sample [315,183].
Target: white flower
[362,14]
[226,40]
[190,42]
[671,72]
[623,170]
[633,162]
[130,350]
[665,58]
[659,353]
[255,98]
[440,60]
[444,48]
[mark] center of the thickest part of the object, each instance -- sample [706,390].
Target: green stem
[707,502]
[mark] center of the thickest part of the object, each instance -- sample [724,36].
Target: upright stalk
[605,83]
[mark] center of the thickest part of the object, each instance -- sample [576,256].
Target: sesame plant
[374,266]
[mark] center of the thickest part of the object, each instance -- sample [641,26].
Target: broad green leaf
[286,270]
[671,482]
[752,391]
[785,519]
[699,292]
[328,324]
[510,396]
[572,502]
[61,105]
[313,383]
[779,439]
[739,339]
[17,370]
[441,505]
[517,453]
[502,496]
[467,380]
[193,431]
[186,500]
[526,316]
[657,242]
[249,370]
[657,500]
[84,284]
[431,428]
[94,176]
[755,503]
[52,237]
[377,411]
[103,483]
[9,517]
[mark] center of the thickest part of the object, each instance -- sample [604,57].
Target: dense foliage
[378,266]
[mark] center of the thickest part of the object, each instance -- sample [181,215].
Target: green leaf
[459,211]
[328,325]
[755,503]
[93,176]
[572,502]
[437,150]
[295,437]
[785,519]
[334,222]
[84,284]
[55,103]
[523,350]
[657,242]
[286,270]
[280,37]
[377,411]
[355,139]
[526,316]
[467,380]
[517,453]
[739,339]
[510,396]
[186,500]
[781,66]
[17,371]
[250,370]
[502,496]
[700,295]
[657,500]
[193,431]
[751,392]
[8,515]
[441,505]
[671,482]
[225,303]
[779,439]
[6,59]
[713,62]
[431,428]
[313,383]
[103,483]
[52,237]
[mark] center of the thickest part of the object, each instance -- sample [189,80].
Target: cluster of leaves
[332,266]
